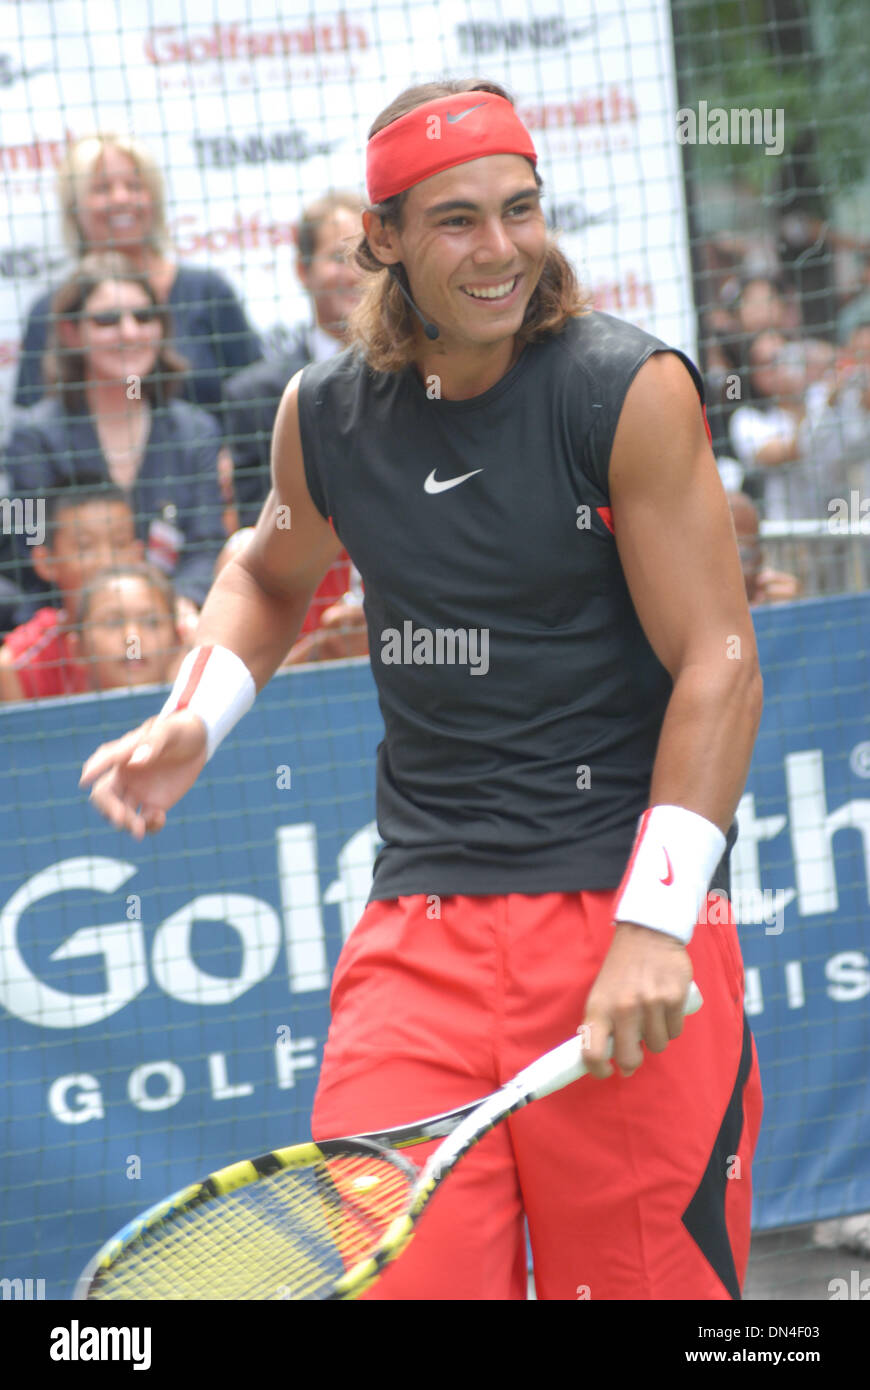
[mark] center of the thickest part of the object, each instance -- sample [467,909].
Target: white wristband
[215,684]
[672,863]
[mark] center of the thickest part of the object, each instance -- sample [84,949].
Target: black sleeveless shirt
[522,702]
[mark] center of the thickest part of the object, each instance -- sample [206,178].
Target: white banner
[255,113]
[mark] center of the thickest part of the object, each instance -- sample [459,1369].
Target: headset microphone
[428,328]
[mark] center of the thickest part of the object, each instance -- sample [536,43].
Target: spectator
[764,304]
[763,585]
[112,198]
[86,529]
[334,626]
[856,313]
[746,305]
[857,353]
[111,414]
[808,429]
[128,631]
[326,231]
[787,389]
[837,437]
[764,430]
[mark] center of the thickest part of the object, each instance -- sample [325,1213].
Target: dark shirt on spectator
[48,448]
[251,401]
[210,329]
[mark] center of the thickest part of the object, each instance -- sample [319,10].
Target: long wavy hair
[382,325]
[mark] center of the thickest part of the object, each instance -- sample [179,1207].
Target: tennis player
[570,689]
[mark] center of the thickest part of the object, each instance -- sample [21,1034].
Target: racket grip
[566,1063]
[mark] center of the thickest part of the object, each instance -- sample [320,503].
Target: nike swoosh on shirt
[432,484]
[467,112]
[669,876]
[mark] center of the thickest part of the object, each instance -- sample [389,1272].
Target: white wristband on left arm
[672,863]
[215,684]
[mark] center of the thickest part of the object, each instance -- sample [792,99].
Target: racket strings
[289,1236]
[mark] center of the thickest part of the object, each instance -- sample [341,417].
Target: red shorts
[633,1188]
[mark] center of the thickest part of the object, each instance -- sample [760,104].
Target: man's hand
[137,778]
[638,996]
[775,586]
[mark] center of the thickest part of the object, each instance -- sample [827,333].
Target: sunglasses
[112,317]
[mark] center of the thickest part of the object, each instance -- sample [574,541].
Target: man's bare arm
[679,554]
[255,609]
[257,605]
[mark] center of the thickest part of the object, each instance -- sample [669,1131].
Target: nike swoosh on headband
[467,112]
[432,485]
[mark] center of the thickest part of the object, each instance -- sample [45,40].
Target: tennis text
[75,1343]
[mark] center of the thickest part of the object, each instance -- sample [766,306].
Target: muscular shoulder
[347,371]
[338,397]
[606,349]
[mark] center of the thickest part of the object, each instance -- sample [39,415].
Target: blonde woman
[112,198]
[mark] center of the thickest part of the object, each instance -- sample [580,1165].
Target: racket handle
[566,1063]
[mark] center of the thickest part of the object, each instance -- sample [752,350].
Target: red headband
[445,132]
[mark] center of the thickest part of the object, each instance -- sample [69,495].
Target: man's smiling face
[473,241]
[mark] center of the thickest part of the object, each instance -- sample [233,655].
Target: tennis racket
[313,1221]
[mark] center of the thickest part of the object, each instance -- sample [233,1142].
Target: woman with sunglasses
[113,198]
[113,412]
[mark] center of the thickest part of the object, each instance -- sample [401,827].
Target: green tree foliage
[811,58]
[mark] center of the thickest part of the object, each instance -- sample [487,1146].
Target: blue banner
[163,1005]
